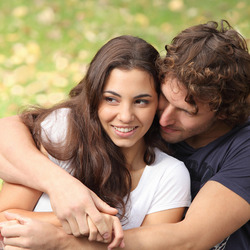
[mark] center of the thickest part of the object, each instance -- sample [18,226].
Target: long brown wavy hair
[214,65]
[94,159]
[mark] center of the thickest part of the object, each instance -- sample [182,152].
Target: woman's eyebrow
[143,95]
[111,92]
[116,94]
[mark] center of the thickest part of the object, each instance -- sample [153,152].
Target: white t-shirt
[163,185]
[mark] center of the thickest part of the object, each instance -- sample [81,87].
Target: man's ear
[221,117]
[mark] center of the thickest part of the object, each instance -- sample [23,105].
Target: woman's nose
[126,114]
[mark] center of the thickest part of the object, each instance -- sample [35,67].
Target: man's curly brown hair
[214,65]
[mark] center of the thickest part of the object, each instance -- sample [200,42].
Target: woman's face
[128,106]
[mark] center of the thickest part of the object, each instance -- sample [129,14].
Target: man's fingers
[82,224]
[70,226]
[66,226]
[93,232]
[76,225]
[103,206]
[97,218]
[99,238]
[101,224]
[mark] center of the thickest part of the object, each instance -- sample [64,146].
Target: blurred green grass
[46,45]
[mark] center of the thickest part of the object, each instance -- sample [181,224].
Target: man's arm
[215,213]
[22,163]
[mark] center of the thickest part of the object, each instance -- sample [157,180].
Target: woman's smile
[128,106]
[125,131]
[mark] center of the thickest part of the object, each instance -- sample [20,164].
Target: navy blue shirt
[227,161]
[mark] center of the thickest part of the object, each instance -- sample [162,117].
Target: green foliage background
[46,45]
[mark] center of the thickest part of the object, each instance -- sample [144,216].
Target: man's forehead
[174,84]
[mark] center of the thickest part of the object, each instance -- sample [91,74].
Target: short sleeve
[173,190]
[234,172]
[54,126]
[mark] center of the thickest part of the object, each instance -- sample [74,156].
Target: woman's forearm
[49,217]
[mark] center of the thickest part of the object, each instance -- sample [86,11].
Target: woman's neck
[135,156]
[135,163]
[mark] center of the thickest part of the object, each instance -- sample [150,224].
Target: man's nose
[167,116]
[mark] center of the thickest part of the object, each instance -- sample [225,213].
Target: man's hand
[26,233]
[73,202]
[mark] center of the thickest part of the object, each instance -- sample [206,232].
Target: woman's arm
[215,213]
[22,200]
[38,232]
[21,162]
[168,216]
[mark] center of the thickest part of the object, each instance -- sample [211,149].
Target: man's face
[178,120]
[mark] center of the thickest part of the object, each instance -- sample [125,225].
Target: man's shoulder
[240,134]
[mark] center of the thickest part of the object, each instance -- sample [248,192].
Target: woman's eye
[142,102]
[110,99]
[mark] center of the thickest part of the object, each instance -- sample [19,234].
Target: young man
[204,110]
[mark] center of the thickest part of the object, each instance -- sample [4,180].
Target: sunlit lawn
[46,45]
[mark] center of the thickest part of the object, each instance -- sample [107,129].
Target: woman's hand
[73,202]
[115,229]
[26,233]
[21,232]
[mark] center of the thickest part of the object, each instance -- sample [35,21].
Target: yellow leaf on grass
[142,19]
[176,5]
[20,11]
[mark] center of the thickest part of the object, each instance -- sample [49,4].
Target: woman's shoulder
[163,158]
[55,125]
[57,114]
[169,165]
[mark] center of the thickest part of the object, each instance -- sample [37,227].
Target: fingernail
[105,235]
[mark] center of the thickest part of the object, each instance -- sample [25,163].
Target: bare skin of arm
[17,156]
[22,200]
[215,213]
[214,208]
[31,233]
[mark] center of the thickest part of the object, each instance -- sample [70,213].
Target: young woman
[106,135]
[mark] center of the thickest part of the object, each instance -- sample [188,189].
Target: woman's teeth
[124,130]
